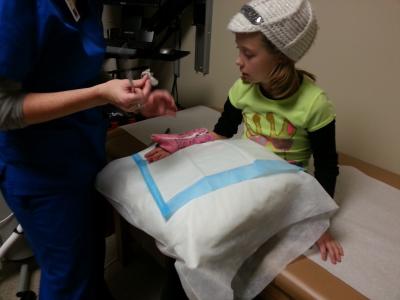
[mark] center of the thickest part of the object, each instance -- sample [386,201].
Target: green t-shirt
[282,125]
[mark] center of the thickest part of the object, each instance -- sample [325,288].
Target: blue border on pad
[210,183]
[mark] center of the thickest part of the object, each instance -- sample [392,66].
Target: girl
[281,106]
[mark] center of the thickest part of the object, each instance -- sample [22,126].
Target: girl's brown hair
[285,79]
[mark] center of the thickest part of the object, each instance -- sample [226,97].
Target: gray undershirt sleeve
[11,102]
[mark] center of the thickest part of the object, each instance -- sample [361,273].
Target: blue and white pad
[206,168]
[231,213]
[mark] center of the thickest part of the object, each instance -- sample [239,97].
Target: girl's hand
[329,247]
[156,154]
[159,103]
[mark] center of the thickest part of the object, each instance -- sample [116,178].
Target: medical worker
[52,137]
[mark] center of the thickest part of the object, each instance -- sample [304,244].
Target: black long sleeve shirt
[322,141]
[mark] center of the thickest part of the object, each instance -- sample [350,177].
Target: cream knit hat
[289,24]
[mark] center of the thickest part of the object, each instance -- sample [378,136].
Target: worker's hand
[126,95]
[159,103]
[156,154]
[329,247]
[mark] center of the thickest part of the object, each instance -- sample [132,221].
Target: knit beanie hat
[288,24]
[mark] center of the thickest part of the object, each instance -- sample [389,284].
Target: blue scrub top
[46,50]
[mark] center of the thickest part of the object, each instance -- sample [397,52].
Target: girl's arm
[226,127]
[323,146]
[229,120]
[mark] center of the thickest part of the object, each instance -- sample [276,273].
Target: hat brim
[239,23]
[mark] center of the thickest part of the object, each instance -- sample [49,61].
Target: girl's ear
[282,58]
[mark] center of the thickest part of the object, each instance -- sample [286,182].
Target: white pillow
[230,212]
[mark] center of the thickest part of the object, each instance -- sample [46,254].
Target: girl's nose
[238,61]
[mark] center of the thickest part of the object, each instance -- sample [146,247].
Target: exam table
[370,268]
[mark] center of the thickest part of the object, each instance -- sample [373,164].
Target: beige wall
[356,58]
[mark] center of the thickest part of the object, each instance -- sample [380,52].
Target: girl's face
[255,61]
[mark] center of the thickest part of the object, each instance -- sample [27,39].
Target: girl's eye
[248,55]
